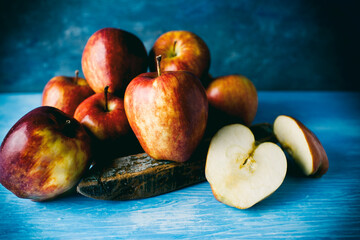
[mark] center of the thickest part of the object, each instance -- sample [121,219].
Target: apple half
[302,145]
[240,172]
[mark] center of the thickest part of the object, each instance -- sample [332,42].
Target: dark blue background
[279,45]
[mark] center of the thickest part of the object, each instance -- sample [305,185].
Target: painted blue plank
[328,207]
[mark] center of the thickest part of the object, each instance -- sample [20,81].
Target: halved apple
[302,145]
[240,172]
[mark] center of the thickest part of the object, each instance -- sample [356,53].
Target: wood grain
[140,176]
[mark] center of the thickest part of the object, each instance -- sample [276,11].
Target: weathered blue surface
[280,45]
[323,208]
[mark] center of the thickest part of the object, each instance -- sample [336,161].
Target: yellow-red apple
[44,154]
[66,93]
[167,112]
[181,50]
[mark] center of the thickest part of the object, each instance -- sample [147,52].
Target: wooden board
[140,176]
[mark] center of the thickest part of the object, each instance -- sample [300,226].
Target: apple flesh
[302,145]
[181,50]
[241,173]
[112,57]
[167,112]
[44,154]
[234,95]
[66,93]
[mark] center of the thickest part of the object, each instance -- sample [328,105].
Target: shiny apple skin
[44,154]
[112,57]
[190,53]
[318,153]
[110,130]
[104,125]
[66,93]
[234,95]
[168,114]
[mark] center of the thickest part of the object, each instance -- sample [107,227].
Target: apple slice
[302,145]
[240,172]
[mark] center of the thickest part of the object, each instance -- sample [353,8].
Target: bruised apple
[44,154]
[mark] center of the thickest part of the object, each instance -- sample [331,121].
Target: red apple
[112,57]
[302,145]
[167,112]
[44,154]
[66,93]
[235,96]
[181,50]
[104,115]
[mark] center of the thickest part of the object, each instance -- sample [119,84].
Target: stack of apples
[120,108]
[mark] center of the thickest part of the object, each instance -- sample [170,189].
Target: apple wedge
[302,145]
[240,172]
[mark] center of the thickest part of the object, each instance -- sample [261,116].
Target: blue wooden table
[328,207]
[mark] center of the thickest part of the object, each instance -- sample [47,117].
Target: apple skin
[44,154]
[104,125]
[232,98]
[112,57]
[319,160]
[110,130]
[190,53]
[66,93]
[167,113]
[321,163]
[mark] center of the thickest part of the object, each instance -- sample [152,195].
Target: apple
[234,95]
[103,115]
[66,93]
[167,112]
[240,172]
[302,145]
[112,57]
[181,50]
[44,154]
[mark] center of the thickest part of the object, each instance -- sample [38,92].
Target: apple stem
[76,75]
[158,60]
[106,90]
[174,45]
